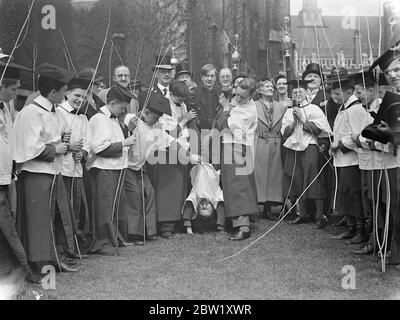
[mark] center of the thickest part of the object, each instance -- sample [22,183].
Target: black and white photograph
[199,155]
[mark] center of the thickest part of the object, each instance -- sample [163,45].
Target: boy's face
[118,107]
[242,96]
[299,95]
[58,96]
[9,93]
[205,208]
[75,97]
[366,95]
[150,117]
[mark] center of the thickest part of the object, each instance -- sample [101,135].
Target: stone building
[351,41]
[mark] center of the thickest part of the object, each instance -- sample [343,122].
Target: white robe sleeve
[100,133]
[357,117]
[28,142]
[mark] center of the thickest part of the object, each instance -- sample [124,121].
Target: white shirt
[300,139]
[148,139]
[242,125]
[6,140]
[103,132]
[34,127]
[347,122]
[79,126]
[162,88]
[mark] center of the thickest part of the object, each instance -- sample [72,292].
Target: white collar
[67,106]
[161,87]
[44,102]
[350,101]
[106,111]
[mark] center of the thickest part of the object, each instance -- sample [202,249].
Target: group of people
[87,171]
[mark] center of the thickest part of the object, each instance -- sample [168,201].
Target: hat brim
[183,72]
[163,67]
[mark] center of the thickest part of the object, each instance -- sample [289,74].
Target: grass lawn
[293,262]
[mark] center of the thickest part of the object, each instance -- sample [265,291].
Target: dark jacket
[206,103]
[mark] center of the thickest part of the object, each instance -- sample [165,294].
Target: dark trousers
[8,231]
[349,194]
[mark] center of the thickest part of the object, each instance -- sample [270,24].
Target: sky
[338,7]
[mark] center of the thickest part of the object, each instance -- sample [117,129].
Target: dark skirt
[238,181]
[171,186]
[44,216]
[77,195]
[109,219]
[134,204]
[306,167]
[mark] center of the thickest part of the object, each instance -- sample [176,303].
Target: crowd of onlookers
[87,170]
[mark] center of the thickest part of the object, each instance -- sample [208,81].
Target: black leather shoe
[167,235]
[341,223]
[365,249]
[32,277]
[151,238]
[66,268]
[321,223]
[240,235]
[358,238]
[299,220]
[345,235]
[125,244]
[74,255]
[269,216]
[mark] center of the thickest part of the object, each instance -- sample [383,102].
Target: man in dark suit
[163,72]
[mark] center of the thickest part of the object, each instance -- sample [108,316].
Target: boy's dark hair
[46,85]
[7,82]
[179,89]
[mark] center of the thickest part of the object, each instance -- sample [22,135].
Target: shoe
[138,243]
[358,238]
[152,238]
[368,227]
[349,234]
[66,268]
[321,223]
[335,213]
[240,235]
[299,220]
[167,235]
[74,255]
[69,261]
[341,223]
[32,277]
[126,244]
[268,215]
[365,249]
[108,252]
